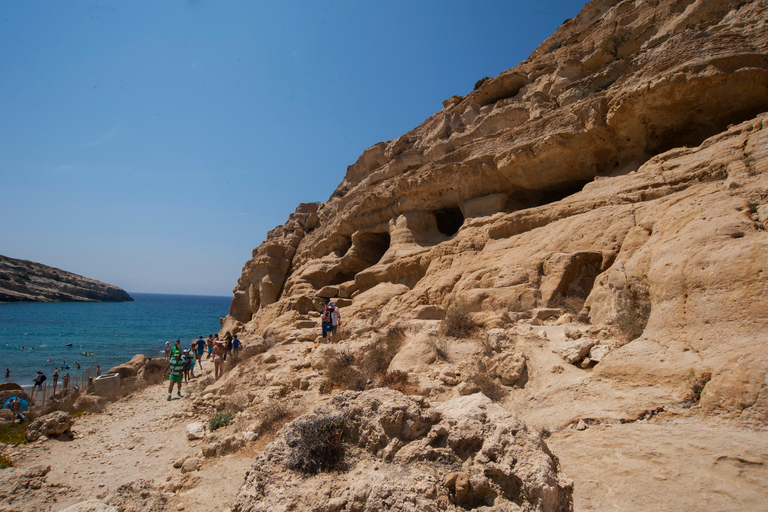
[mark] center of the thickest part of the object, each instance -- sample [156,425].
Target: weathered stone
[196,431]
[52,424]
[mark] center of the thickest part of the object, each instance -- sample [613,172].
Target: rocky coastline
[27,281]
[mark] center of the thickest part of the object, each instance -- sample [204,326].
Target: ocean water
[35,336]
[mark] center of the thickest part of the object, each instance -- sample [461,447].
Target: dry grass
[400,381]
[458,322]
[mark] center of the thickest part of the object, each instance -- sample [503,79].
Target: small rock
[195,431]
[190,465]
[581,425]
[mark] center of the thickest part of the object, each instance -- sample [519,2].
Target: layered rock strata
[27,281]
[619,172]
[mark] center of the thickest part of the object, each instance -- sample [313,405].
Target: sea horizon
[47,335]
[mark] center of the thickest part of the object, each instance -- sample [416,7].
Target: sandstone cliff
[27,281]
[613,185]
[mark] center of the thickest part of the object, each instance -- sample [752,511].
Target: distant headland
[27,281]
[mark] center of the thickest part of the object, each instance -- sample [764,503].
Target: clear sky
[152,145]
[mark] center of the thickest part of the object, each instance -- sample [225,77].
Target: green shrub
[5,462]
[13,433]
[315,444]
[220,420]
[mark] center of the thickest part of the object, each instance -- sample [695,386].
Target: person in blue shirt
[235,344]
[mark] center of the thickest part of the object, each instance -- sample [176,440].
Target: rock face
[619,174]
[401,453]
[27,281]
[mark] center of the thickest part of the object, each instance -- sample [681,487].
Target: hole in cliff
[521,199]
[343,247]
[372,246]
[449,220]
[342,277]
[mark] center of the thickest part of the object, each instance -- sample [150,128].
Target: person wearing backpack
[326,321]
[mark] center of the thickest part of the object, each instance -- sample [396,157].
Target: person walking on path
[39,379]
[55,379]
[219,352]
[175,369]
[167,350]
[199,349]
[176,348]
[235,344]
[98,371]
[187,364]
[209,344]
[65,384]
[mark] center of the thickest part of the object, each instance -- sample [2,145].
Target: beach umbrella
[24,404]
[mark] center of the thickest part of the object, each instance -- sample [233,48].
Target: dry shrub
[315,443]
[458,322]
[340,372]
[632,315]
[400,381]
[489,386]
[271,415]
[377,358]
[696,384]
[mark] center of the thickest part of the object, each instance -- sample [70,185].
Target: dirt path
[140,437]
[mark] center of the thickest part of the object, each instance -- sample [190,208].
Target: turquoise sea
[35,336]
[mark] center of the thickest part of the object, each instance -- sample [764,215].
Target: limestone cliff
[619,173]
[27,281]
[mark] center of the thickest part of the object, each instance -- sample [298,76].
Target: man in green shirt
[175,372]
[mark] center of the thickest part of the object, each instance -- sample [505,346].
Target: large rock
[380,450]
[52,424]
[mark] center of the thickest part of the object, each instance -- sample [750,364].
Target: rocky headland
[27,281]
[553,297]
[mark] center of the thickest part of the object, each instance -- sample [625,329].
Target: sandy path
[140,437]
[666,465]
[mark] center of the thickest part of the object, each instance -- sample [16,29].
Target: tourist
[176,348]
[200,348]
[228,340]
[219,352]
[187,364]
[167,350]
[7,373]
[335,318]
[326,321]
[235,344]
[209,344]
[98,371]
[174,369]
[65,383]
[55,379]
[39,379]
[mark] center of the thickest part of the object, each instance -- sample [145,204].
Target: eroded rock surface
[401,453]
[615,177]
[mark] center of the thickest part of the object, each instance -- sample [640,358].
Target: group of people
[329,320]
[181,363]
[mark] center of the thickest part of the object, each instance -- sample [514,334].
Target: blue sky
[152,145]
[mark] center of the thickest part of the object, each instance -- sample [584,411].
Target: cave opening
[342,277]
[449,220]
[372,246]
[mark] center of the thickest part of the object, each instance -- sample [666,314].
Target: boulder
[50,425]
[387,451]
[196,431]
[131,368]
[508,367]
